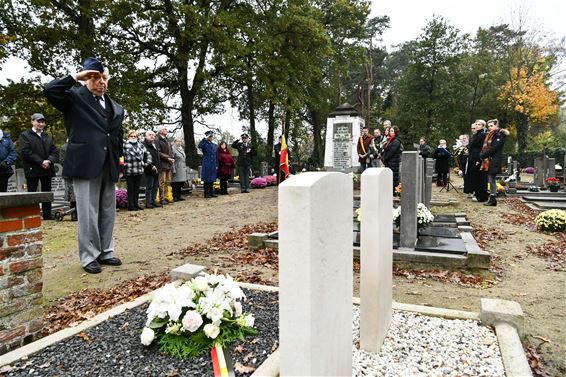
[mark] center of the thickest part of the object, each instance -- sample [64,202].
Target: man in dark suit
[94,128]
[38,156]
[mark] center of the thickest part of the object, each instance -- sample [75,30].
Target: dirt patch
[208,232]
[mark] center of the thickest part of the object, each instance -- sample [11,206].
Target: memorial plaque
[342,141]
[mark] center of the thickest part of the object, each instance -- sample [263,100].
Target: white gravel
[418,345]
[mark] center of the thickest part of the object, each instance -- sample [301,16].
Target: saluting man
[94,129]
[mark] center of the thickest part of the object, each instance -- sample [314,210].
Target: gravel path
[113,348]
[419,345]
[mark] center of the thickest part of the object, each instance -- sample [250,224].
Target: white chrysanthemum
[147,336]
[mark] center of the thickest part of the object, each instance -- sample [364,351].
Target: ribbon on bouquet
[221,362]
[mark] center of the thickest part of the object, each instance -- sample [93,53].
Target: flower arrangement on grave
[552,182]
[530,170]
[398,190]
[500,189]
[216,186]
[358,213]
[355,177]
[121,198]
[258,182]
[553,220]
[197,181]
[424,216]
[188,319]
[271,180]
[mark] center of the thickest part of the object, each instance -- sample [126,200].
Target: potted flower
[187,319]
[553,184]
[553,220]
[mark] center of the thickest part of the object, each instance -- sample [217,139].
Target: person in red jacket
[225,166]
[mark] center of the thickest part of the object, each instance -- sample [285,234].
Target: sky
[407,19]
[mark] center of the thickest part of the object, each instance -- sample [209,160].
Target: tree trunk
[522,132]
[271,130]
[253,133]
[86,30]
[318,146]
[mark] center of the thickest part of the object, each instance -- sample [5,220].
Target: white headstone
[343,129]
[376,257]
[315,275]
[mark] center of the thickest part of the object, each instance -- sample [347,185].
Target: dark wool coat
[95,134]
[35,149]
[442,156]
[425,150]
[165,152]
[495,151]
[392,158]
[154,153]
[208,148]
[245,152]
[8,154]
[475,180]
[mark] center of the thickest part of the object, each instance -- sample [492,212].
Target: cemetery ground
[528,266]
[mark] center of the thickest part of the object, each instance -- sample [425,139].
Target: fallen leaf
[239,349]
[173,373]
[248,357]
[240,368]
[83,336]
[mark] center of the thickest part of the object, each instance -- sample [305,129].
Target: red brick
[12,252]
[15,307]
[24,211]
[10,225]
[32,222]
[6,336]
[36,288]
[26,265]
[19,239]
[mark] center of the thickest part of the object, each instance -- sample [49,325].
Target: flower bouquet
[190,318]
[424,216]
[121,198]
[553,184]
[553,220]
[271,180]
[258,182]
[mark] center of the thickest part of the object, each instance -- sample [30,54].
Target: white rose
[237,309]
[192,321]
[201,283]
[147,336]
[211,330]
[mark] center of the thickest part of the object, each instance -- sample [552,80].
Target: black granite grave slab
[436,245]
[436,231]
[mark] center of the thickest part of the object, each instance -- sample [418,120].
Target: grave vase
[553,188]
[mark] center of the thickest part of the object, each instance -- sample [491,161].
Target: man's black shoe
[93,267]
[139,208]
[110,261]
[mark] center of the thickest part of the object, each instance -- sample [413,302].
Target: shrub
[258,182]
[553,220]
[121,198]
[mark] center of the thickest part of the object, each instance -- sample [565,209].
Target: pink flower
[192,321]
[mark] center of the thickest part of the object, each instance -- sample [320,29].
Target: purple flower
[530,170]
[271,180]
[258,182]
[121,198]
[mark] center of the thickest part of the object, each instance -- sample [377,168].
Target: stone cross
[376,257]
[409,200]
[315,274]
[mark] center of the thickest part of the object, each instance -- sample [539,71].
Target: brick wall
[21,276]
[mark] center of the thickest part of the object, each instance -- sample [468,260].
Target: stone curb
[42,343]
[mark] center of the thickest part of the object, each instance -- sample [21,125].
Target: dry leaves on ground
[524,215]
[484,235]
[535,362]
[445,276]
[235,239]
[85,304]
[266,257]
[553,252]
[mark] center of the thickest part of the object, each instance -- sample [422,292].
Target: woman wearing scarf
[392,154]
[136,158]
[178,169]
[491,155]
[225,166]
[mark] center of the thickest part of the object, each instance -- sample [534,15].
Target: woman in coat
[391,155]
[492,156]
[225,166]
[136,158]
[8,156]
[209,163]
[178,170]
[442,163]
[475,180]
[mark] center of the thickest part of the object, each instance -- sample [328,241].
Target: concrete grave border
[505,316]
